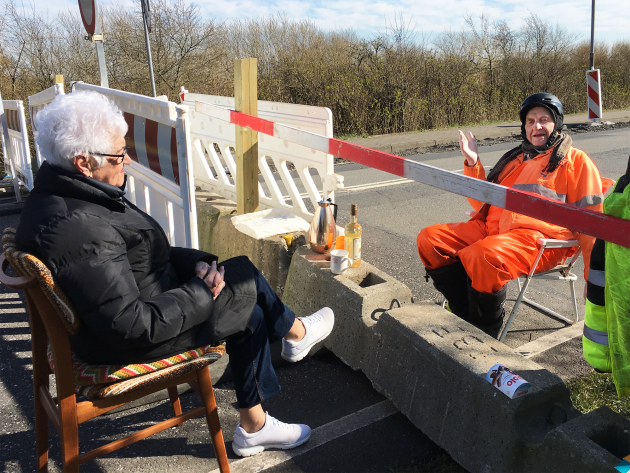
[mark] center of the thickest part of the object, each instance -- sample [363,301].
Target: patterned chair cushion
[86,374]
[100,391]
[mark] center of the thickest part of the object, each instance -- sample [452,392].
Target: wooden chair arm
[17,282]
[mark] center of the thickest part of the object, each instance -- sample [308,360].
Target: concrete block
[592,442]
[432,366]
[358,297]
[217,235]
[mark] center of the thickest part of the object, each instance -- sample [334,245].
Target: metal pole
[592,34]
[146,38]
[102,68]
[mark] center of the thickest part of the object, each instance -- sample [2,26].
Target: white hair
[78,123]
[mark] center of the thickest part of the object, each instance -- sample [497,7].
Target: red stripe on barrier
[129,137]
[592,114]
[594,96]
[594,75]
[12,120]
[174,159]
[150,141]
[606,227]
[369,157]
[257,124]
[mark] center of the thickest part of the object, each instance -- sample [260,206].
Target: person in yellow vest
[606,337]
[595,335]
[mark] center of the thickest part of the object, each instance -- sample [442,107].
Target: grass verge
[597,390]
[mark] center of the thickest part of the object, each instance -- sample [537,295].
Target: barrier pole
[609,228]
[246,101]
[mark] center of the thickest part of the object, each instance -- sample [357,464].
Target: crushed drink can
[508,382]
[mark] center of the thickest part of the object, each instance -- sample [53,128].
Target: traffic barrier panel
[36,103]
[214,141]
[16,146]
[160,178]
[606,227]
[594,94]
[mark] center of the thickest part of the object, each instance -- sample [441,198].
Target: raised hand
[468,146]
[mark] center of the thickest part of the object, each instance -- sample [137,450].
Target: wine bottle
[352,242]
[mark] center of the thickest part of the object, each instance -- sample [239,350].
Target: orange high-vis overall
[500,245]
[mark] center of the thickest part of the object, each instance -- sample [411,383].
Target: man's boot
[451,281]
[486,310]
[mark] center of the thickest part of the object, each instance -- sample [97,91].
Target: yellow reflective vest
[595,336]
[606,338]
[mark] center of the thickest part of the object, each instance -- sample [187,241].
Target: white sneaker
[318,326]
[274,434]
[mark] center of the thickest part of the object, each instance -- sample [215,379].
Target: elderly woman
[140,299]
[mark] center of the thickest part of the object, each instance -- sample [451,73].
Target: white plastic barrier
[208,135]
[16,146]
[160,179]
[36,104]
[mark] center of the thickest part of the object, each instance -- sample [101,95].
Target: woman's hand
[468,145]
[211,276]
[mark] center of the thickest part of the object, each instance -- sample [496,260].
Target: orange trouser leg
[439,244]
[495,260]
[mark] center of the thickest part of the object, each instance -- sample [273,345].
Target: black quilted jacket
[138,298]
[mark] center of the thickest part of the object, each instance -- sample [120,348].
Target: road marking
[319,436]
[372,185]
[376,185]
[547,342]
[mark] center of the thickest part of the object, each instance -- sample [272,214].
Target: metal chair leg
[516,304]
[575,308]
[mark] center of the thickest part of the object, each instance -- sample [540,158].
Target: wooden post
[59,80]
[246,101]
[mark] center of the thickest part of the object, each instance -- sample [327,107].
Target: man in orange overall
[471,262]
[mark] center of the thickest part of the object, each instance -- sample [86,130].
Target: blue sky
[429,17]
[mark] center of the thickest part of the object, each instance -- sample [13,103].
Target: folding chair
[52,319]
[563,273]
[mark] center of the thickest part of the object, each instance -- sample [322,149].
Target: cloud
[427,16]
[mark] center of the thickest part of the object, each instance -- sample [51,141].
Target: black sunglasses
[119,157]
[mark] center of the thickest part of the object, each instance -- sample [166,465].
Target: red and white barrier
[606,227]
[160,177]
[208,136]
[594,93]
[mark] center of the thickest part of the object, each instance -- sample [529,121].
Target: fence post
[59,80]
[246,101]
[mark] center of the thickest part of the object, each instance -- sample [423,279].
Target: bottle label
[356,249]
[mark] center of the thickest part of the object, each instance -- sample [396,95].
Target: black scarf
[560,142]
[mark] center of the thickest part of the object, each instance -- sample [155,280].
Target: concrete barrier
[217,235]
[358,297]
[432,365]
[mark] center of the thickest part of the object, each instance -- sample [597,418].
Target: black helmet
[543,99]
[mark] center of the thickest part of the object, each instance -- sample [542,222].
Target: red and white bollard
[594,93]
